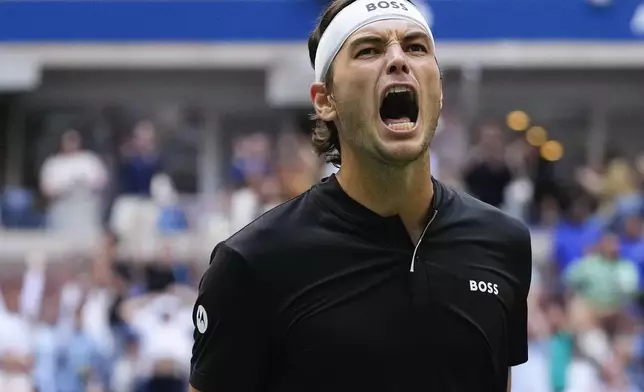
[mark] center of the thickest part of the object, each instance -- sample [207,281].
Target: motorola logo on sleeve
[201,319]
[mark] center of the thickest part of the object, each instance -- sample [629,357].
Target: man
[73,181]
[378,278]
[487,174]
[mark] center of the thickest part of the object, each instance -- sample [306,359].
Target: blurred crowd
[112,320]
[109,322]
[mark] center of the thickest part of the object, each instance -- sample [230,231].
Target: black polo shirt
[317,295]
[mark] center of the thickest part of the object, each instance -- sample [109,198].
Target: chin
[401,153]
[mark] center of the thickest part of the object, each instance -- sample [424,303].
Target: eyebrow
[367,39]
[377,39]
[420,35]
[415,35]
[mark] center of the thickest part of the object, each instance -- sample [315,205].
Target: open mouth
[399,108]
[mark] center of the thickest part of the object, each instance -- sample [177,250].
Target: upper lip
[398,84]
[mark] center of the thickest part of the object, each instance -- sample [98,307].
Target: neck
[387,190]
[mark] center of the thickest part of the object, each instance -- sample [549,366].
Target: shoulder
[241,267]
[276,232]
[487,230]
[482,220]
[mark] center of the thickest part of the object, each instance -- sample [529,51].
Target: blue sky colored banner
[292,20]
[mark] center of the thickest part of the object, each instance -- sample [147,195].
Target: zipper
[420,240]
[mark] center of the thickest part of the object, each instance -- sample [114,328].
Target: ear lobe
[322,102]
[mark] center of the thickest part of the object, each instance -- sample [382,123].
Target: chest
[371,306]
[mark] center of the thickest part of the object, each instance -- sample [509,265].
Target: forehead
[389,28]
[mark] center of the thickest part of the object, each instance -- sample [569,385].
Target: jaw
[400,148]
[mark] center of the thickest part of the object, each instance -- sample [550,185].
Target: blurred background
[135,135]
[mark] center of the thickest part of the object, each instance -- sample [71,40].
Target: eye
[417,48]
[366,52]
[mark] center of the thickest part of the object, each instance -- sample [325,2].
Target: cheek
[357,83]
[432,92]
[430,77]
[354,97]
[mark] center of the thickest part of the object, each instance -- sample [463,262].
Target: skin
[386,171]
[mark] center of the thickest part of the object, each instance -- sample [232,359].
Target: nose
[397,60]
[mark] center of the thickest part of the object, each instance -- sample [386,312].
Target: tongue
[390,121]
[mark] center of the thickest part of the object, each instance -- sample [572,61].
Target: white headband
[355,16]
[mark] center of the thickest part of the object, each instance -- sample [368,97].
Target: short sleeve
[230,338]
[518,321]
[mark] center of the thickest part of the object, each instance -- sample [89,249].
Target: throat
[415,232]
[406,192]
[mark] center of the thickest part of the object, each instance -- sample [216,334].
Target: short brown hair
[325,138]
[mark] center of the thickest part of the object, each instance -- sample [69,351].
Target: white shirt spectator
[15,334]
[583,377]
[95,314]
[63,172]
[72,181]
[95,320]
[15,340]
[161,328]
[244,208]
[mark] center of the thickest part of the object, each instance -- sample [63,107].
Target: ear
[322,102]
[441,105]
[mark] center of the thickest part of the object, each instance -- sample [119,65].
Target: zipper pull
[413,256]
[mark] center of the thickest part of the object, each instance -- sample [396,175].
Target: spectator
[297,165]
[141,160]
[250,166]
[72,180]
[16,347]
[616,188]
[94,292]
[583,376]
[79,360]
[487,174]
[603,286]
[47,345]
[164,272]
[603,279]
[251,158]
[575,233]
[632,241]
[561,344]
[172,218]
[166,338]
[129,370]
[533,376]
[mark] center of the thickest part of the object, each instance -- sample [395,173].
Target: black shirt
[317,295]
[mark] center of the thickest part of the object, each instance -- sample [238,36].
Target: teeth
[403,126]
[397,89]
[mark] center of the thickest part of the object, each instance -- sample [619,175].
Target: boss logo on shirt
[385,5]
[484,287]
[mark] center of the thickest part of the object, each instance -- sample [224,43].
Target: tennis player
[379,278]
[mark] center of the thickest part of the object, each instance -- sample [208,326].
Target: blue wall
[292,20]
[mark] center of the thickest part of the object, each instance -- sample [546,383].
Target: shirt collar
[331,195]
